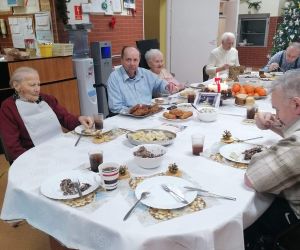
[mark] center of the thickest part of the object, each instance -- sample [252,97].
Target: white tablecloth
[219,227]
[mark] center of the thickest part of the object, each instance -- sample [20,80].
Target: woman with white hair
[155,60]
[29,118]
[223,56]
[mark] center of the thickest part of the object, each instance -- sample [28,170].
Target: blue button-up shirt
[125,92]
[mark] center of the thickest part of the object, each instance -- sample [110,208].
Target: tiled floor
[23,237]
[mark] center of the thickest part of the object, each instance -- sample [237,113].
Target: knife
[174,194]
[210,194]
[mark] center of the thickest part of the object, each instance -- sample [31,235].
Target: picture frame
[208,99]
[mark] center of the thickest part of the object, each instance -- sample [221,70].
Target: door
[192,28]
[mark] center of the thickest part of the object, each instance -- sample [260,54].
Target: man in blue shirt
[285,60]
[130,85]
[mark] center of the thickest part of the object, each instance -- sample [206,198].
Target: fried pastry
[177,112]
[186,114]
[169,116]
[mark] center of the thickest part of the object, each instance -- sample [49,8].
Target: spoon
[195,108]
[143,196]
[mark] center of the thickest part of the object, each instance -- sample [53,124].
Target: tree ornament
[297,22]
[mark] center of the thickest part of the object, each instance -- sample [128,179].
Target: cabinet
[56,76]
[253,30]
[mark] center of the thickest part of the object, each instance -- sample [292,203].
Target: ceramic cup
[109,172]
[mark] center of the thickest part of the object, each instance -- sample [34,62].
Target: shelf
[252,33]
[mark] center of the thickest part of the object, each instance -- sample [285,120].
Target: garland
[61,8]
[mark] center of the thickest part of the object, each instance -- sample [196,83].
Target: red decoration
[133,12]
[218,82]
[112,22]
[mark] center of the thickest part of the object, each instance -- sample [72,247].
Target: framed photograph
[209,99]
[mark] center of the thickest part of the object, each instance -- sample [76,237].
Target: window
[253,30]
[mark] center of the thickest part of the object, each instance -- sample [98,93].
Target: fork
[174,194]
[77,187]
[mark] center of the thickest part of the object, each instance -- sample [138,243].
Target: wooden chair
[7,157]
[289,240]
[205,75]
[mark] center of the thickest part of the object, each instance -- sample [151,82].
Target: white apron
[40,120]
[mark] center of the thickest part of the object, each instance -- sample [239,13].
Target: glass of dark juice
[197,143]
[98,120]
[96,158]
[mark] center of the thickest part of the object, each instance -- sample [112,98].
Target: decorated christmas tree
[289,30]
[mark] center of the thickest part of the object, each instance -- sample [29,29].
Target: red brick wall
[257,56]
[128,29]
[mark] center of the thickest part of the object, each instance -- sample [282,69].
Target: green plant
[62,11]
[254,5]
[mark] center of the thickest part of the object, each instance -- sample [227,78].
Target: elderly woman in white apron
[29,118]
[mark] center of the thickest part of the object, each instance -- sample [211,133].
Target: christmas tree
[288,31]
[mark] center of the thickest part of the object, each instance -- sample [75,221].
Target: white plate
[51,187]
[159,198]
[234,152]
[197,85]
[79,129]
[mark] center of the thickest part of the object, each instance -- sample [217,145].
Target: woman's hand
[172,88]
[86,121]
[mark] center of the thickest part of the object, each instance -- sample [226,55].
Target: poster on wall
[129,4]
[30,7]
[4,6]
[21,28]
[43,27]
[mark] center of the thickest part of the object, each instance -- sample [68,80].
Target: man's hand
[264,120]
[273,66]
[86,121]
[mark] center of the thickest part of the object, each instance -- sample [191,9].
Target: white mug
[109,173]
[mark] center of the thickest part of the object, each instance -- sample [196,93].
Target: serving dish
[151,136]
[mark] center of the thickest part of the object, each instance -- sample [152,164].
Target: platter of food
[62,185]
[239,152]
[186,92]
[142,111]
[178,114]
[161,199]
[151,136]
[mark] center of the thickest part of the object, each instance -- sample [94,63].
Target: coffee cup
[109,172]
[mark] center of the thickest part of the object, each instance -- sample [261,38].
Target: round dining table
[100,224]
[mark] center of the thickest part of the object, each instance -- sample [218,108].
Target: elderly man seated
[285,60]
[223,56]
[155,60]
[130,85]
[276,170]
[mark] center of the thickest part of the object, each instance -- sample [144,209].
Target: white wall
[267,6]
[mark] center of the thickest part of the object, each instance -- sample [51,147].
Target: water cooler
[84,70]
[101,54]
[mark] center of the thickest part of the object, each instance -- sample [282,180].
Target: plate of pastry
[177,114]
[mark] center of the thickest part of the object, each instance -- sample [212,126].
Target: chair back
[102,85]
[4,150]
[205,76]
[143,46]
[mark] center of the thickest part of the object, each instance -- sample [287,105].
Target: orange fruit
[249,89]
[243,91]
[236,87]
[262,92]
